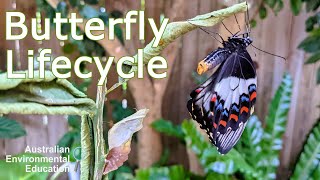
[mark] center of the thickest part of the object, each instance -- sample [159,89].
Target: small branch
[98,132]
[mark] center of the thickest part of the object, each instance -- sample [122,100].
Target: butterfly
[224,102]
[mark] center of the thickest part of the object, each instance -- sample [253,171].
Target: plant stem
[98,132]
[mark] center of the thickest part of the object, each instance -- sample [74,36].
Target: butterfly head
[237,41]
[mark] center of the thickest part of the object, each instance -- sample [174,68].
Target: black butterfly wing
[222,104]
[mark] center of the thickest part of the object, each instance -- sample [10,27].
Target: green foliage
[123,173]
[312,5]
[10,128]
[296,6]
[72,138]
[74,3]
[118,112]
[253,23]
[275,127]
[171,172]
[307,166]
[250,142]
[166,127]
[313,58]
[313,22]
[17,170]
[310,44]
[262,12]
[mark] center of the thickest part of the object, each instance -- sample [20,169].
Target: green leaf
[118,33]
[217,176]
[68,140]
[279,7]
[311,43]
[310,22]
[310,156]
[262,12]
[275,126]
[296,6]
[163,159]
[74,121]
[250,141]
[312,5]
[171,172]
[10,128]
[253,23]
[313,58]
[17,170]
[74,3]
[166,127]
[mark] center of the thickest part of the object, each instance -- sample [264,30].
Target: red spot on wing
[223,123]
[244,109]
[233,116]
[198,90]
[214,98]
[253,95]
[215,125]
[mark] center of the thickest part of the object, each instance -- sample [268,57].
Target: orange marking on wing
[233,116]
[253,95]
[223,123]
[245,109]
[215,125]
[213,99]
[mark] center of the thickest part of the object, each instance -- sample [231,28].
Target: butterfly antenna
[248,19]
[226,28]
[235,16]
[269,53]
[255,54]
[210,33]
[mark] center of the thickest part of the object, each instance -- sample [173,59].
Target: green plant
[10,128]
[256,156]
[307,166]
[171,172]
[17,170]
[72,138]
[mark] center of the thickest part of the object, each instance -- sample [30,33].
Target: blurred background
[285,28]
